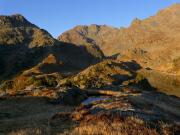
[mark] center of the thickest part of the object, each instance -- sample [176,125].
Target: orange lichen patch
[129,90]
[49,93]
[80,114]
[44,93]
[51,59]
[19,83]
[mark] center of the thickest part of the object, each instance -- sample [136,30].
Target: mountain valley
[121,80]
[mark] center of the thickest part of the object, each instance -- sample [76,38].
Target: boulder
[72,96]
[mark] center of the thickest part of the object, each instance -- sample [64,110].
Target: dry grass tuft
[32,131]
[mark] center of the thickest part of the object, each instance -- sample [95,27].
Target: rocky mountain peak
[173,10]
[136,22]
[17,30]
[16,20]
[174,7]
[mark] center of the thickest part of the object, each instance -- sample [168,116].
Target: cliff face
[153,42]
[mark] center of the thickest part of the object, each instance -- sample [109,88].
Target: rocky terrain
[92,79]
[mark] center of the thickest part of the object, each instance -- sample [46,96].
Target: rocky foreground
[106,98]
[111,97]
[126,110]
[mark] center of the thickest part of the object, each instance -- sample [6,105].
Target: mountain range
[23,46]
[153,43]
[93,79]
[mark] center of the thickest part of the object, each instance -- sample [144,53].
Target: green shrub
[50,81]
[32,79]
[35,81]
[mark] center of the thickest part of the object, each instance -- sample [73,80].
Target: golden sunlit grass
[132,126]
[99,129]
[35,131]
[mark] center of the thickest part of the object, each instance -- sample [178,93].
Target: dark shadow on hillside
[130,66]
[120,78]
[35,113]
[15,59]
[143,85]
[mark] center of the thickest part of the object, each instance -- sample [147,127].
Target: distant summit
[16,20]
[16,30]
[92,34]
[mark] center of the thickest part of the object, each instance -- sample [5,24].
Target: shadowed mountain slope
[24,46]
